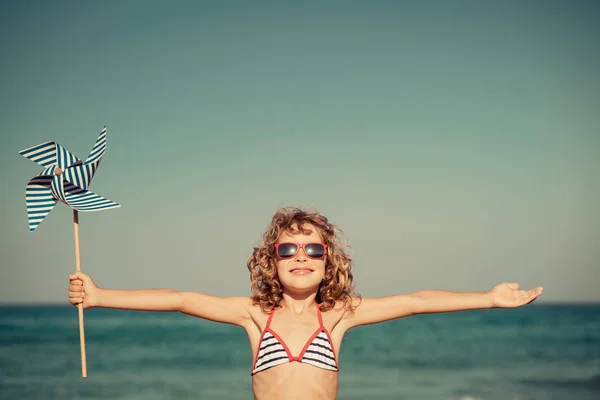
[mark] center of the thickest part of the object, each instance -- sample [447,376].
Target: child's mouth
[301,271]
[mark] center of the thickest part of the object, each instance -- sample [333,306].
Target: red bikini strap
[319,315]
[270,319]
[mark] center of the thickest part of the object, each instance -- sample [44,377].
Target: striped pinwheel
[65,178]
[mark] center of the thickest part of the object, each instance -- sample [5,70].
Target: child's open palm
[508,295]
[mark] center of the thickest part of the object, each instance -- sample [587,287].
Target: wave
[590,383]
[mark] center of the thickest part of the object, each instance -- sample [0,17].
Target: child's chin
[302,283]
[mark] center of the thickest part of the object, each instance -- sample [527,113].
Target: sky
[456,144]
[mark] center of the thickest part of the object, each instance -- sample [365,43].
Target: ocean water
[535,352]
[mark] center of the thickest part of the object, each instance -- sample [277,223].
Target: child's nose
[301,255]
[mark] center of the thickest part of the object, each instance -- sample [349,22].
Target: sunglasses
[312,250]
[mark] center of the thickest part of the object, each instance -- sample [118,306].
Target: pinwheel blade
[47,172]
[64,158]
[43,154]
[85,200]
[39,199]
[50,153]
[58,189]
[81,175]
[99,148]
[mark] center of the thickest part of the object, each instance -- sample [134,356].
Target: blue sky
[455,143]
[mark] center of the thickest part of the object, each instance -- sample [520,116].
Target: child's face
[301,273]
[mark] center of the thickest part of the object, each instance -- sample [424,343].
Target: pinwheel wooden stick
[65,178]
[80,305]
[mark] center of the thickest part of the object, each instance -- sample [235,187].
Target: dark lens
[287,250]
[315,250]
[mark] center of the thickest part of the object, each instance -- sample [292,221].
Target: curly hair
[337,285]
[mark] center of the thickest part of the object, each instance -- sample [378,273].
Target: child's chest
[295,333]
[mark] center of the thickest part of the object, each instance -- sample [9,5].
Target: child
[302,304]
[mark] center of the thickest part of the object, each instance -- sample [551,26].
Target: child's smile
[301,270]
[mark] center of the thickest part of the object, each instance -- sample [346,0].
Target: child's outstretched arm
[231,310]
[375,310]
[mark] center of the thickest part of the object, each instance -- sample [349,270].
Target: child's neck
[298,303]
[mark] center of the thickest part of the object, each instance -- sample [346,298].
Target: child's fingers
[536,292]
[530,296]
[76,293]
[75,288]
[77,275]
[76,296]
[76,300]
[75,280]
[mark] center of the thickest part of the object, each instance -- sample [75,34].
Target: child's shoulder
[342,308]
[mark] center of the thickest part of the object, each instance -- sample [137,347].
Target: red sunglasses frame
[300,246]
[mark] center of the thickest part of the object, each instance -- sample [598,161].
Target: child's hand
[508,295]
[82,289]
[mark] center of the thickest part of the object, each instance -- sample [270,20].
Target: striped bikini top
[317,351]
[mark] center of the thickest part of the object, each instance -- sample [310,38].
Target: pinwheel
[65,178]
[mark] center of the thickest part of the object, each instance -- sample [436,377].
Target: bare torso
[295,380]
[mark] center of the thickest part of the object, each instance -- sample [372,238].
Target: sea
[540,351]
